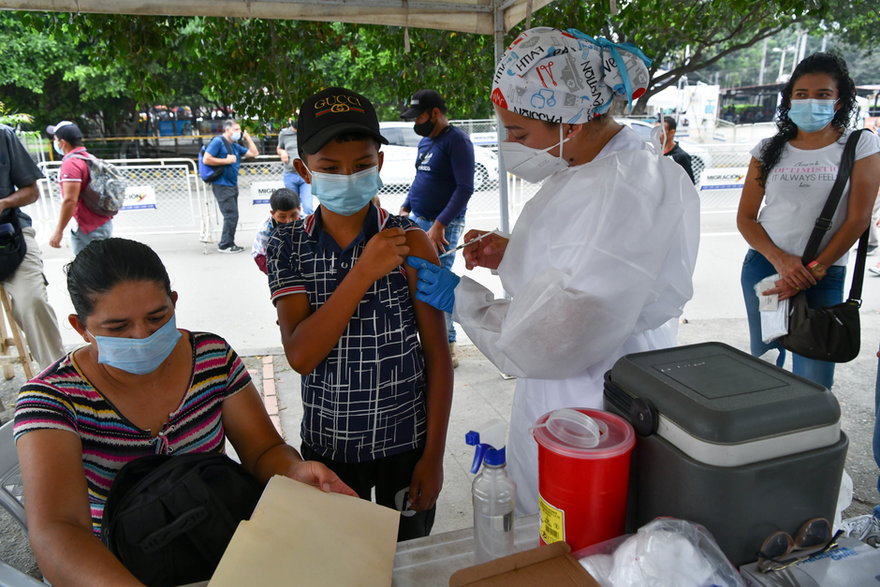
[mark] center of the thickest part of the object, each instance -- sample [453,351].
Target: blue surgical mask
[138,355]
[236,136]
[811,115]
[346,194]
[57,146]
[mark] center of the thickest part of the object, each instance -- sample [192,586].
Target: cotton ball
[599,566]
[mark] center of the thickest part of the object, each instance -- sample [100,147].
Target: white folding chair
[11,489]
[12,577]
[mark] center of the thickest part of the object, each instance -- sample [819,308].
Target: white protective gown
[599,265]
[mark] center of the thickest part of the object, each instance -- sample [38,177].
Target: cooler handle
[641,412]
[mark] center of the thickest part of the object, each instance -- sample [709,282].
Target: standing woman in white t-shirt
[792,173]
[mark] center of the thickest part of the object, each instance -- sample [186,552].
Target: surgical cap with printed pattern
[567,76]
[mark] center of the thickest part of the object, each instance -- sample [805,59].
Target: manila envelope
[299,535]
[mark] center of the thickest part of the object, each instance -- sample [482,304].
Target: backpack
[169,518]
[209,173]
[106,192]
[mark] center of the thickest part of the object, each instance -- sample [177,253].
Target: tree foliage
[686,37]
[110,66]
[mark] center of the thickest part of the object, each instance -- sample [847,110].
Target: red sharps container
[583,475]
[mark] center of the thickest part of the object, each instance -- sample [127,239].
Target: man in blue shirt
[224,150]
[444,181]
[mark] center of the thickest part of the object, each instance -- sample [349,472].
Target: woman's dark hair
[846,92]
[103,264]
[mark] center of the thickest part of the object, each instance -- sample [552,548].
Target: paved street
[228,295]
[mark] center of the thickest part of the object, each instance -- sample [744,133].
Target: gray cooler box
[729,441]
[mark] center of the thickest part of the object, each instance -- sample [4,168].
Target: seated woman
[138,387]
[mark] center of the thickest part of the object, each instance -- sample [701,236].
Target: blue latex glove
[436,285]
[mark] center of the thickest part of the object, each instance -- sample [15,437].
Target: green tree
[264,68]
[52,77]
[683,38]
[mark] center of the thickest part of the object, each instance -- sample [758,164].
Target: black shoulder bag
[12,245]
[832,333]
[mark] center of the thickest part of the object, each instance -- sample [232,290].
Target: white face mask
[531,164]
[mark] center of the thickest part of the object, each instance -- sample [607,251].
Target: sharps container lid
[584,433]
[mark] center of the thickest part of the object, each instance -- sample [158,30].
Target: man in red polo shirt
[74,179]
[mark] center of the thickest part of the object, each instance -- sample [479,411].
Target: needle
[470,242]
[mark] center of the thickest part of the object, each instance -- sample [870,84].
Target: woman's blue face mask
[138,355]
[346,194]
[812,114]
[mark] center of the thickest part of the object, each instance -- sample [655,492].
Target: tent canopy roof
[467,16]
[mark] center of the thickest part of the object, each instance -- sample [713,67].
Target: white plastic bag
[774,314]
[666,552]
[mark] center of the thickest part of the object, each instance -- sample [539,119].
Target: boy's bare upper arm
[420,246]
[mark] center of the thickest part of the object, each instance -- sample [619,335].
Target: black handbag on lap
[832,333]
[168,519]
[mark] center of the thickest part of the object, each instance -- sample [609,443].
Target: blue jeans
[827,292]
[293,181]
[452,234]
[79,239]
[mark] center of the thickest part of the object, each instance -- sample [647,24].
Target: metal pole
[498,14]
[763,63]
[781,64]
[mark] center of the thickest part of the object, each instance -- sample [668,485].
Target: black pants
[391,477]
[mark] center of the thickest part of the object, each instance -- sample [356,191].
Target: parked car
[701,159]
[399,167]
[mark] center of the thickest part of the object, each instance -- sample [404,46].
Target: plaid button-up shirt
[366,399]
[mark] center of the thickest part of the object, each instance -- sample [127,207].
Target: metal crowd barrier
[167,196]
[164,196]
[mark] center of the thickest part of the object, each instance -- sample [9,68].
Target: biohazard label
[552,522]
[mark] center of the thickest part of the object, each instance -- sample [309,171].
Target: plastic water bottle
[494,493]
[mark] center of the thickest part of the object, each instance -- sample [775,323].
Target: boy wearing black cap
[74,179]
[377,377]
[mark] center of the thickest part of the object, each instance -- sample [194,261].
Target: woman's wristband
[817,268]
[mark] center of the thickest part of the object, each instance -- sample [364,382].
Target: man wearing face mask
[444,181]
[286,149]
[600,262]
[224,150]
[74,179]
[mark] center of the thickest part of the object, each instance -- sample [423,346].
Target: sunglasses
[780,550]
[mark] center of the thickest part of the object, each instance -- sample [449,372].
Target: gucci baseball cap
[333,112]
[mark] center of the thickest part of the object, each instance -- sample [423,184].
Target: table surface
[430,561]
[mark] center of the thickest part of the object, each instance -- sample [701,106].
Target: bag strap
[225,145]
[86,157]
[855,291]
[823,222]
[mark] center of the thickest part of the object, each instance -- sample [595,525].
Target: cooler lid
[720,394]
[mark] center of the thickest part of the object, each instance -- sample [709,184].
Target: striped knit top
[61,398]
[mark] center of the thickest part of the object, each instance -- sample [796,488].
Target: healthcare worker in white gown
[600,262]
